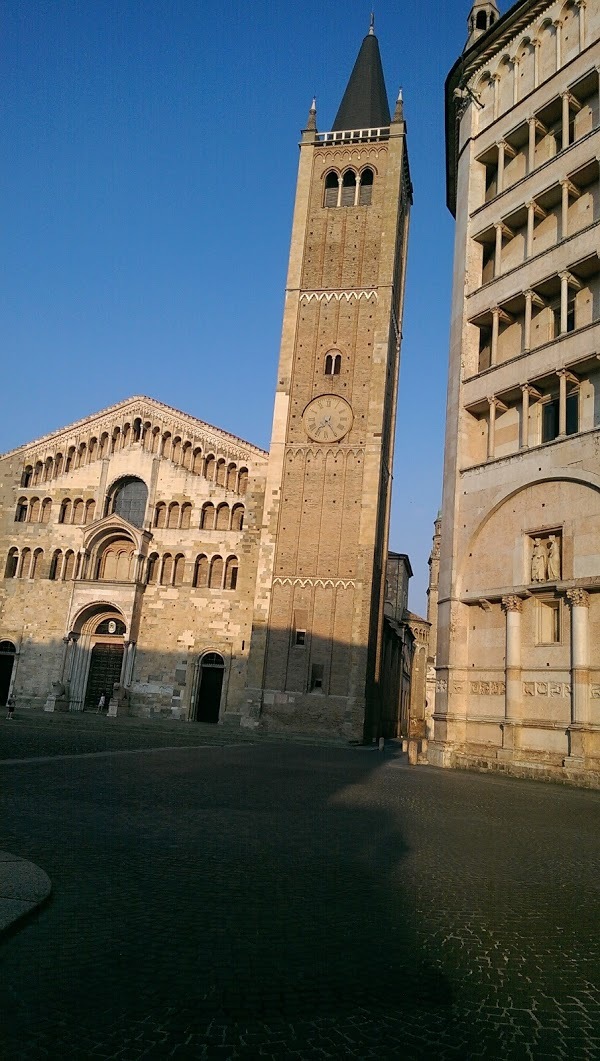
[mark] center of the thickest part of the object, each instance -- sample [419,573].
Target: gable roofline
[518,16]
[122,405]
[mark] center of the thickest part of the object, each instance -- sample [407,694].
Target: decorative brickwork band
[578,598]
[512,603]
[336,296]
[345,583]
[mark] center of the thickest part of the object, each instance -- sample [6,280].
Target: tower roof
[365,101]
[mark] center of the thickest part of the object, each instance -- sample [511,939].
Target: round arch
[539,504]
[99,659]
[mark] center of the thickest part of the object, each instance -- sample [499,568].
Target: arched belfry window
[332,184]
[128,499]
[481,20]
[333,363]
[365,192]
[349,188]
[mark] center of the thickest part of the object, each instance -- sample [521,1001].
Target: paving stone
[250,899]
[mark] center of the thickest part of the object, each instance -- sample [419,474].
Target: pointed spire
[365,101]
[311,123]
[399,111]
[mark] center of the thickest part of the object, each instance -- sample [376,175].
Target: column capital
[528,388]
[578,598]
[570,280]
[512,603]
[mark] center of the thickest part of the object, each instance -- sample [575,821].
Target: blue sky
[148,176]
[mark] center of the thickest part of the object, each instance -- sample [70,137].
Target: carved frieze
[487,688]
[551,689]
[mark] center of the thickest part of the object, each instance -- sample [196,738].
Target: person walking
[10,706]
[102,702]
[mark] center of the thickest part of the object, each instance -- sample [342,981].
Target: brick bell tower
[315,654]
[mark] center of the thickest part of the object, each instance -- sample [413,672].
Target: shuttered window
[366,188]
[332,182]
[349,189]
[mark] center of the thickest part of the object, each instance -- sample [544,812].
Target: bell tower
[315,653]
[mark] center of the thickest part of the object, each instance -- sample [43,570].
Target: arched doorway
[7,660]
[208,700]
[106,662]
[97,660]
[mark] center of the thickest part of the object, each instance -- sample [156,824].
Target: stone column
[125,663]
[530,228]
[558,26]
[77,664]
[496,80]
[515,66]
[491,443]
[532,123]
[513,607]
[525,416]
[501,160]
[564,217]
[66,643]
[581,5]
[562,402]
[579,600]
[137,567]
[495,330]
[130,652]
[498,252]
[564,301]
[527,329]
[566,114]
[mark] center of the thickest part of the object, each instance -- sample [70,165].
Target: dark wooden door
[208,702]
[105,670]
[7,659]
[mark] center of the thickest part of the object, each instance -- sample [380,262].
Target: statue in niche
[538,561]
[553,567]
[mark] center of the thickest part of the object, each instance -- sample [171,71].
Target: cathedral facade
[155,564]
[129,564]
[518,642]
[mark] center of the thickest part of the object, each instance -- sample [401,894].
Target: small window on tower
[316,677]
[481,21]
[365,193]
[332,184]
[300,624]
[349,188]
[333,364]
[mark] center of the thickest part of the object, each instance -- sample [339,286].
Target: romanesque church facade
[173,568]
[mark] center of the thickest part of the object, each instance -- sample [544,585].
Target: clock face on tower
[327,418]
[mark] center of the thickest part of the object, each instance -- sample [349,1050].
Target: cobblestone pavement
[278,900]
